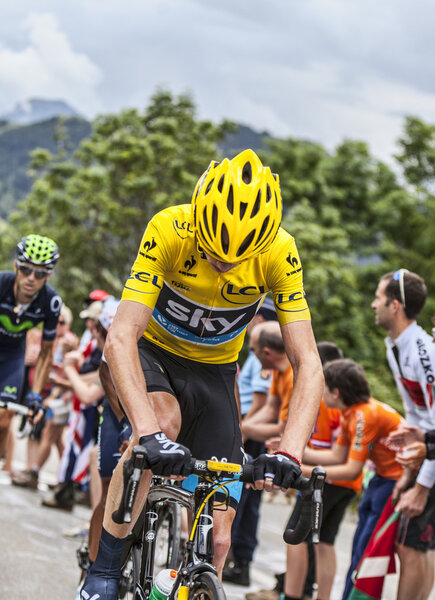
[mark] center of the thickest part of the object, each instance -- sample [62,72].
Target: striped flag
[378,558]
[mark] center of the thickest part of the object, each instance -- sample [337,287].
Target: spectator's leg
[413,571]
[296,570]
[326,565]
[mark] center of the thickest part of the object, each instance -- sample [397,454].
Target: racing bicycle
[196,578]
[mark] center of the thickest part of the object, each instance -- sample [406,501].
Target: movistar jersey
[15,321]
[201,314]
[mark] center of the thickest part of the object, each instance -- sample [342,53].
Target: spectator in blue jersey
[25,301]
[254,383]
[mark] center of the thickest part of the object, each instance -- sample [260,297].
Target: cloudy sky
[322,70]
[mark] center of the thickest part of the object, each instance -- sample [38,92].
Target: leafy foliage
[97,203]
[353,218]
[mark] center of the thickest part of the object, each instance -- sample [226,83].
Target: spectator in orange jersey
[320,558]
[267,344]
[365,426]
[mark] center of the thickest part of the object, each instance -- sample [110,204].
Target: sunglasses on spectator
[400,277]
[27,271]
[61,322]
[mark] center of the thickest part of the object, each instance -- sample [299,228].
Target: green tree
[97,204]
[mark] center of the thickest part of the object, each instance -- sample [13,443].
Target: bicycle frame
[198,555]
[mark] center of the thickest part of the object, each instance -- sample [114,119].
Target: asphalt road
[38,561]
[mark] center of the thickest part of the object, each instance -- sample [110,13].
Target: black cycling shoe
[237,574]
[98,587]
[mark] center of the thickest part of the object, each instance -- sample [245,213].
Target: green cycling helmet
[38,250]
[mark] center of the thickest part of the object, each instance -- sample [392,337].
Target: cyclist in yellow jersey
[201,273]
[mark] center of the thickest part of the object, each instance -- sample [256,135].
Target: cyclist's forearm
[308,386]
[127,375]
[303,410]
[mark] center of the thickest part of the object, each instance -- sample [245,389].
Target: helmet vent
[230,200]
[268,193]
[221,183]
[225,238]
[247,173]
[214,219]
[276,200]
[204,216]
[263,229]
[246,242]
[243,207]
[256,207]
[208,188]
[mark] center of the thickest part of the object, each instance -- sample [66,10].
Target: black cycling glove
[282,469]
[34,402]
[164,456]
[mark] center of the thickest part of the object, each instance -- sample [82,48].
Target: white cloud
[317,69]
[48,67]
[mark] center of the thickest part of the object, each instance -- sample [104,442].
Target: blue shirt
[252,378]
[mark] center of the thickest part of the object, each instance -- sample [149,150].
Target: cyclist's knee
[221,543]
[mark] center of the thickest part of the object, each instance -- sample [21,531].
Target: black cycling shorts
[420,530]
[205,393]
[335,501]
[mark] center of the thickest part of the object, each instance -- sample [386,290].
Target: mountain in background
[34,125]
[16,144]
[36,110]
[243,138]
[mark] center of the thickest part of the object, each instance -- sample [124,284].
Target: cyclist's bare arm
[122,356]
[43,366]
[109,390]
[301,349]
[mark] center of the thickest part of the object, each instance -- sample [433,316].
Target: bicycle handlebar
[310,517]
[19,409]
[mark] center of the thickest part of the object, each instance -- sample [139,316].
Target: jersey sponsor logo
[198,323]
[147,248]
[265,373]
[144,277]
[11,328]
[293,261]
[425,361]
[10,389]
[240,295]
[180,285]
[188,266]
[183,229]
[282,300]
[359,430]
[55,305]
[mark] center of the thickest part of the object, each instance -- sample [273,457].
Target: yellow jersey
[198,313]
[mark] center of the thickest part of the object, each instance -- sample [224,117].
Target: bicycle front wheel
[168,538]
[207,587]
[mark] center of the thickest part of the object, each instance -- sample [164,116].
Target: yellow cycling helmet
[237,208]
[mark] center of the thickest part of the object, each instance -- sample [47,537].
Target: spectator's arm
[336,456]
[258,401]
[88,393]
